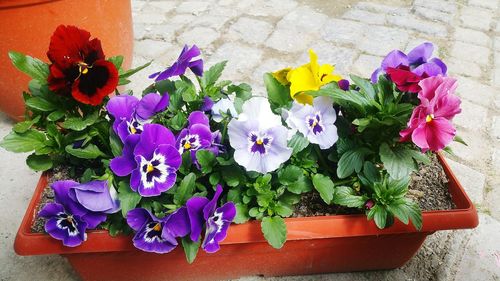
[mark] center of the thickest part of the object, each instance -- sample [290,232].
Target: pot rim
[320,227]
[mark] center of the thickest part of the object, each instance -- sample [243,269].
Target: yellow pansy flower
[310,77]
[281,74]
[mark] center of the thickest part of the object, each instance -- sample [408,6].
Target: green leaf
[371,172]
[117,61]
[274,230]
[39,162]
[206,159]
[242,215]
[128,198]
[298,143]
[352,160]
[365,85]
[41,104]
[56,115]
[25,142]
[115,143]
[293,178]
[190,248]
[324,186]
[185,189]
[278,94]
[460,140]
[24,126]
[35,68]
[283,210]
[348,99]
[398,161]
[212,75]
[346,196]
[132,71]
[79,123]
[91,151]
[379,214]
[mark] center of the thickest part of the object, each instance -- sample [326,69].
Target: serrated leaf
[346,196]
[242,215]
[35,68]
[185,189]
[212,74]
[206,159]
[25,142]
[190,248]
[24,126]
[78,123]
[41,104]
[56,115]
[132,71]
[351,161]
[364,85]
[128,198]
[278,94]
[91,151]
[324,185]
[298,143]
[39,162]
[379,215]
[115,143]
[397,161]
[274,230]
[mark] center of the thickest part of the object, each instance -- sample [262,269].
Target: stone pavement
[263,35]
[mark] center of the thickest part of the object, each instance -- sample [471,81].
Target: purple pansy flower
[184,61]
[343,84]
[207,104]
[315,122]
[204,211]
[64,225]
[157,235]
[258,137]
[151,159]
[90,201]
[130,114]
[418,60]
[197,136]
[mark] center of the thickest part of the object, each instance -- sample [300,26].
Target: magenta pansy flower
[430,126]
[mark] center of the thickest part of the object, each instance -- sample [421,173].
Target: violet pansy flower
[207,104]
[258,137]
[130,114]
[64,225]
[186,60]
[217,220]
[91,201]
[418,61]
[197,136]
[151,159]
[430,126]
[315,122]
[157,235]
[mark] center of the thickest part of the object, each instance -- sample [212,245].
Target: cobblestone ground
[258,36]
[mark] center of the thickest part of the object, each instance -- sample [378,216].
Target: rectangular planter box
[314,245]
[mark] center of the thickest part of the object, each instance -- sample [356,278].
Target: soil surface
[428,187]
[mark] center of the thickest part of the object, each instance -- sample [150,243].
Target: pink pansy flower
[430,126]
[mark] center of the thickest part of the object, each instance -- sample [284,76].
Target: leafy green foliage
[274,230]
[190,248]
[128,198]
[324,186]
[278,94]
[35,68]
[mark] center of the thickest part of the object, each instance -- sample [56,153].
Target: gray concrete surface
[262,35]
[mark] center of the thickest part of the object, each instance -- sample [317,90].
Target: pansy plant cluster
[191,155]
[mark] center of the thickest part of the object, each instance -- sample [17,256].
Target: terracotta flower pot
[26,27]
[314,245]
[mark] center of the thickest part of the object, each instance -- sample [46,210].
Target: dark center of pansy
[135,127]
[67,222]
[153,232]
[154,170]
[189,142]
[259,142]
[95,77]
[314,123]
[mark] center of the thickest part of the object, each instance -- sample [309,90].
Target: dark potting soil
[428,186]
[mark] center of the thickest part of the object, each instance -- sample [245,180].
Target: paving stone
[250,30]
[481,259]
[286,40]
[193,7]
[414,23]
[433,15]
[365,65]
[341,57]
[137,5]
[160,6]
[201,36]
[495,159]
[473,181]
[437,5]
[393,38]
[469,69]
[212,21]
[495,128]
[475,91]
[365,16]
[269,65]
[472,53]
[269,8]
[151,48]
[487,4]
[476,18]
[472,117]
[477,150]
[303,19]
[380,8]
[149,17]
[342,31]
[159,32]
[181,20]
[241,60]
[472,36]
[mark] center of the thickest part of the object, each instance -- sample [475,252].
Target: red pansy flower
[79,66]
[405,80]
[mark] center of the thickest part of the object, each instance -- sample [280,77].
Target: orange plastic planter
[26,27]
[314,245]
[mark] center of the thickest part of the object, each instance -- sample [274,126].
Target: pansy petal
[198,117]
[153,136]
[421,53]
[136,218]
[196,67]
[195,206]
[121,108]
[177,223]
[148,106]
[394,59]
[51,210]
